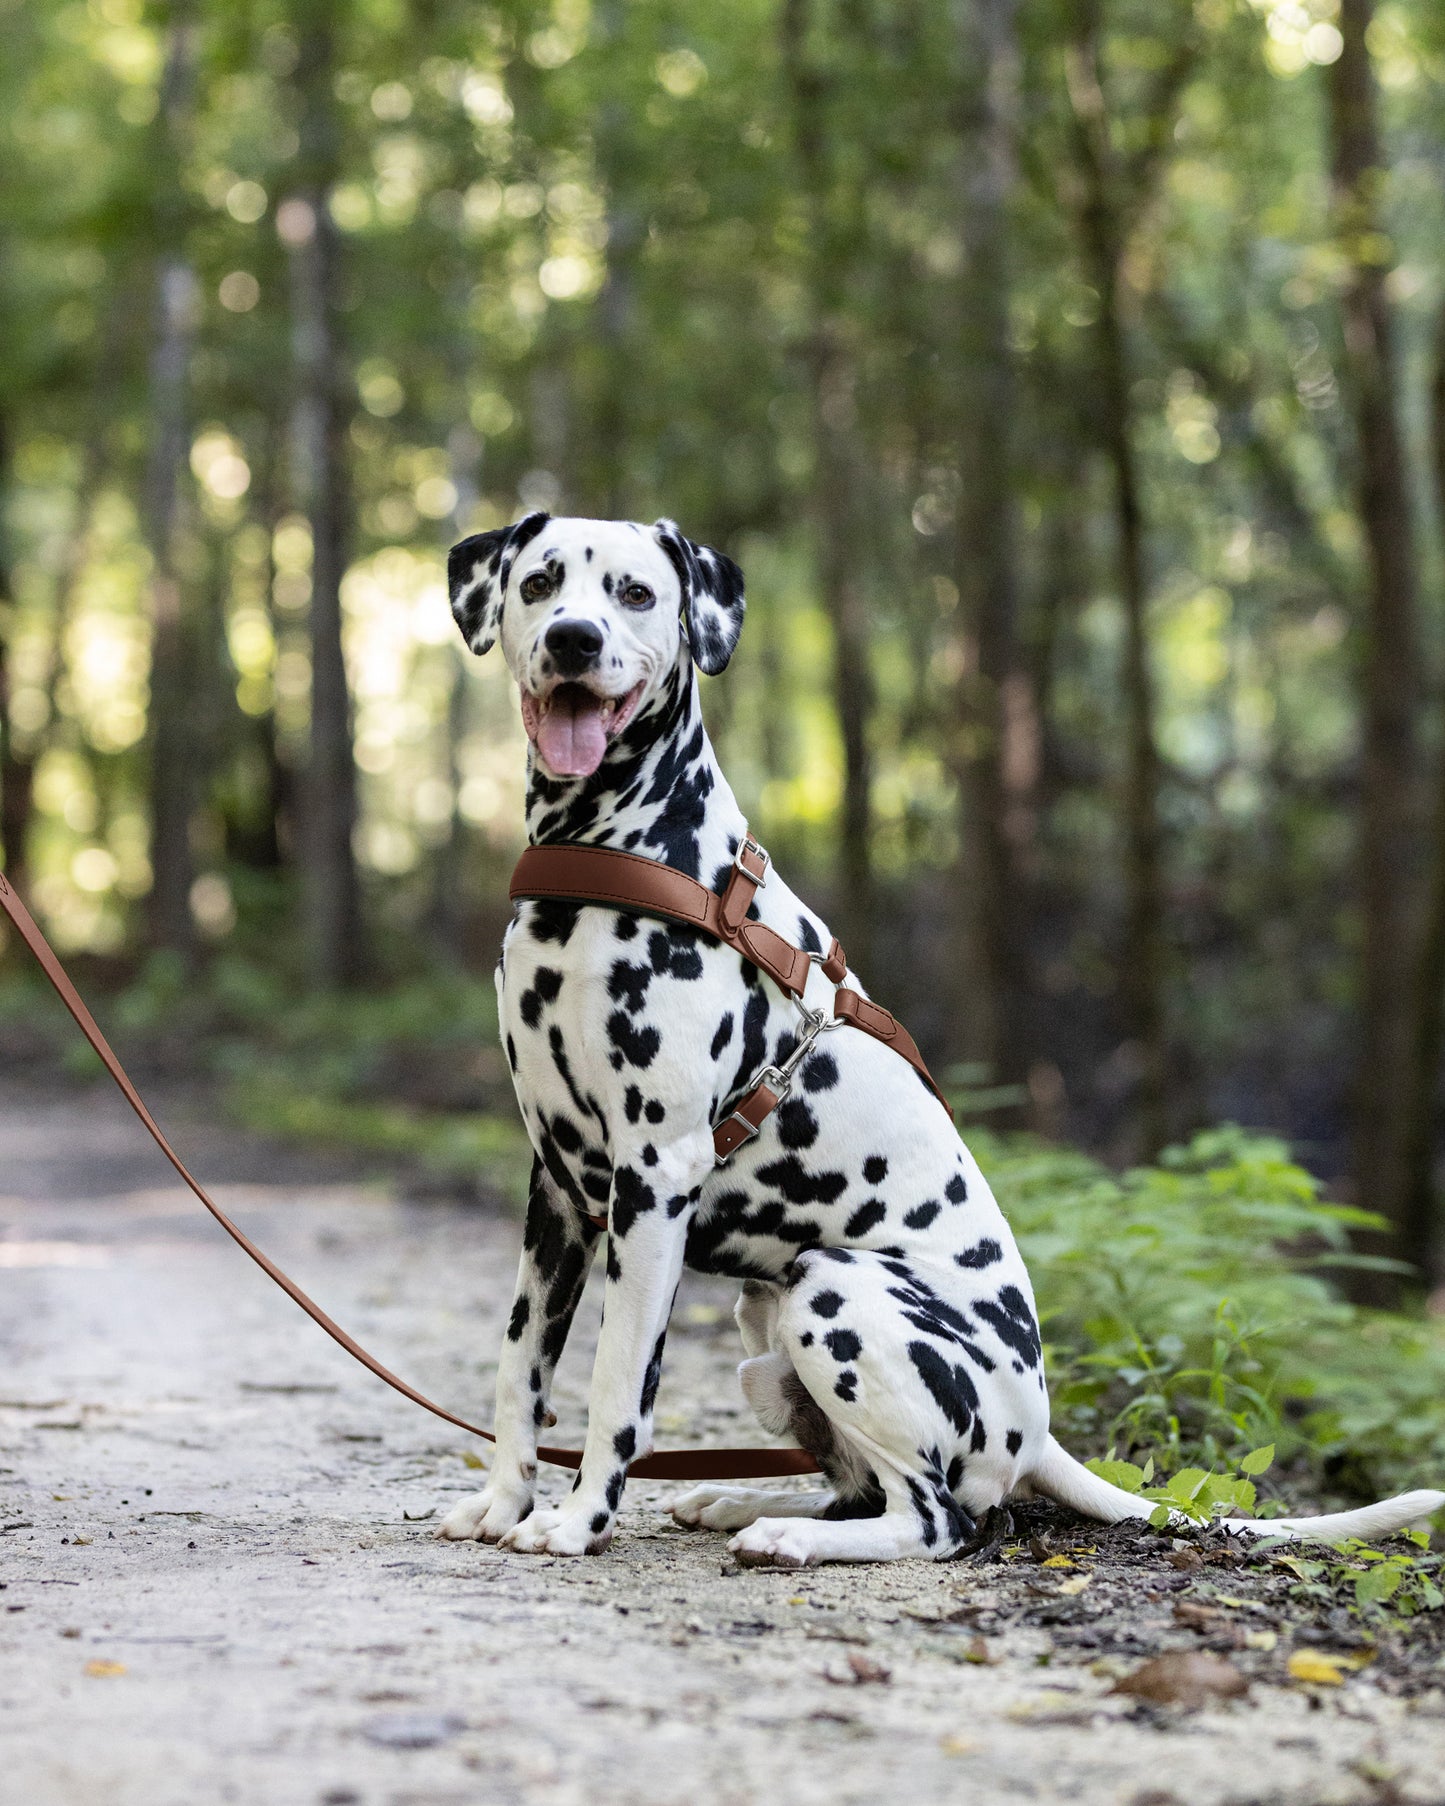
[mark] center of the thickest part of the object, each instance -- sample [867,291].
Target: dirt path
[219,1581]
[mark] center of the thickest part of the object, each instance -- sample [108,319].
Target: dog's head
[594,618]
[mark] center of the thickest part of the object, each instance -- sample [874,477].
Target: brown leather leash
[673,1464]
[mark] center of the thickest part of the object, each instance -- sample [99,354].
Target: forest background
[1067,375]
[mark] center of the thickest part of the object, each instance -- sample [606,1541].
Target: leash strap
[674,1464]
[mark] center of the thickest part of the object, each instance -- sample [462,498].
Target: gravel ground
[218,1579]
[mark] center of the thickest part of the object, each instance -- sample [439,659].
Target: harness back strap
[674,1464]
[628,881]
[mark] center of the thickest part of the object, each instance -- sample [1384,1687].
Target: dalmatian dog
[886,1315]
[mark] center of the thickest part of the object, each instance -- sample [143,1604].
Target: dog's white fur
[886,1315]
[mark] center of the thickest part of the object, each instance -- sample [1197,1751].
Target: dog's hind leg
[735,1507]
[849,1342]
[756,1315]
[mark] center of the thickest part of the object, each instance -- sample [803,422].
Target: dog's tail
[1058,1476]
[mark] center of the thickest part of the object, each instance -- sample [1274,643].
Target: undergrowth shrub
[1188,1312]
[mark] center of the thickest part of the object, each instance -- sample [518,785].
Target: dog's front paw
[776,1542]
[485,1516]
[553,1530]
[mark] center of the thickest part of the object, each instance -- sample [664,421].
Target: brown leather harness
[627,881]
[651,890]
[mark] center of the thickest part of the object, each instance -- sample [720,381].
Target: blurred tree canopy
[1067,375]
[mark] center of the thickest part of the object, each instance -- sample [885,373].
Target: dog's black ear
[712,597]
[477,572]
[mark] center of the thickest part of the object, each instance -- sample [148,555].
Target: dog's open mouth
[571,727]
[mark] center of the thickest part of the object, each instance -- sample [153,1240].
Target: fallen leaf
[1324,1668]
[1261,1639]
[1072,1587]
[977,1651]
[959,1746]
[1039,1547]
[798,1599]
[470,1459]
[1188,1561]
[417,1517]
[104,1671]
[83,1541]
[1058,1561]
[1185,1677]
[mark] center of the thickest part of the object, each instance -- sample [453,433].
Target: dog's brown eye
[536,585]
[637,595]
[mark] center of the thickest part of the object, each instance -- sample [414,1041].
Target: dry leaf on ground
[1185,1677]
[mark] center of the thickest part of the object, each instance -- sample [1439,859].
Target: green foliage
[1192,1491]
[1188,1310]
[1371,1584]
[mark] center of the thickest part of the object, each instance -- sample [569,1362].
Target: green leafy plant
[1371,1583]
[1193,1492]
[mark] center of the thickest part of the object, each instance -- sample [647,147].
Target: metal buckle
[744,845]
[780,1083]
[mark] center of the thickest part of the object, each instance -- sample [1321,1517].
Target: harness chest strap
[629,881]
[672,1464]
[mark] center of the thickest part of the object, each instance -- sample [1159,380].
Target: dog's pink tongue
[570,736]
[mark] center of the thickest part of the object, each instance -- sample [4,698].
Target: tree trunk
[16,773]
[1389,677]
[616,322]
[836,486]
[996,767]
[320,418]
[174,749]
[1419,1220]
[1142,986]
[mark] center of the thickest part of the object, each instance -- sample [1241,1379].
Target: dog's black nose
[574,645]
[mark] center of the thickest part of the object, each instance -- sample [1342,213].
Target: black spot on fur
[521,1311]
[553,920]
[820,1072]
[624,1443]
[875,1169]
[631,1196]
[1014,1441]
[982,1254]
[637,1046]
[653,1377]
[654,1111]
[723,1035]
[797,1125]
[844,1344]
[1013,1323]
[627,984]
[798,1185]
[865,1218]
[956,1191]
[949,1385]
[600,1523]
[826,1304]
[846,1385]
[626,929]
[922,1214]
